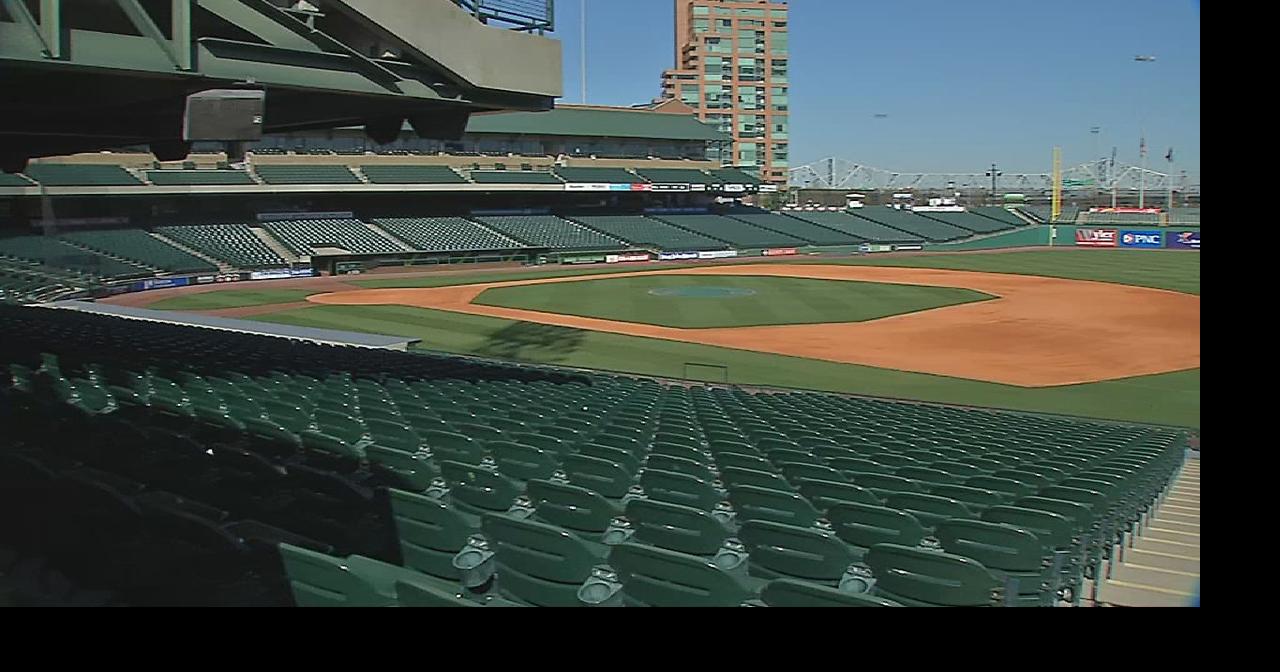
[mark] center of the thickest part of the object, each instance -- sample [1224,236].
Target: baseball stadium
[331,303]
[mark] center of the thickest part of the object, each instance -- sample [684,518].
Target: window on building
[779,45]
[701,11]
[753,13]
[689,94]
[701,25]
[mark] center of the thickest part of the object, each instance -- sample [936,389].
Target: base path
[1039,332]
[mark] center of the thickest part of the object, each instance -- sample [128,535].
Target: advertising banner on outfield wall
[1096,237]
[586,259]
[623,258]
[1183,240]
[586,186]
[668,187]
[302,272]
[674,256]
[161,283]
[272,274]
[907,248]
[780,251]
[867,248]
[205,279]
[717,254]
[1144,239]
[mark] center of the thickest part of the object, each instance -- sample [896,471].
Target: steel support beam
[142,21]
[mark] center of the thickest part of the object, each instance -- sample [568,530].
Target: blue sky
[964,83]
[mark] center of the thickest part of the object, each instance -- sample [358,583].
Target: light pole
[993,174]
[1142,174]
[1142,148]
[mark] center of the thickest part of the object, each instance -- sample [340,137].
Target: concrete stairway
[223,267]
[1162,567]
[274,244]
[392,239]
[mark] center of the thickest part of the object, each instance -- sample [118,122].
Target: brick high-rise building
[731,66]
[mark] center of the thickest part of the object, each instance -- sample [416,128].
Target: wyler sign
[1145,239]
[1096,237]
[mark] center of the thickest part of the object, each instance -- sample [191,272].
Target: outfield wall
[1133,238]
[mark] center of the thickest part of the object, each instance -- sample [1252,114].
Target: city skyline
[959,88]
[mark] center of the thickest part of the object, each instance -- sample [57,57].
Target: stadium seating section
[674,175]
[732,176]
[1119,218]
[1066,215]
[390,174]
[969,221]
[11,180]
[63,255]
[855,226]
[1000,214]
[550,231]
[198,177]
[440,234]
[233,244]
[599,175]
[647,231]
[80,175]
[23,281]
[913,224]
[305,174]
[811,233]
[301,236]
[231,469]
[139,246]
[731,231]
[513,177]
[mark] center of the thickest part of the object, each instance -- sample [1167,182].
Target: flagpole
[1169,156]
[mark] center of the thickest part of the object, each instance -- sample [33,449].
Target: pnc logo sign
[1141,239]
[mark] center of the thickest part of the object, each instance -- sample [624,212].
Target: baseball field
[1105,334]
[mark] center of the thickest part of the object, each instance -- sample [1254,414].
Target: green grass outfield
[1171,398]
[231,298]
[1176,270]
[752,301]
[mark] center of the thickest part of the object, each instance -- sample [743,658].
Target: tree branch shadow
[532,342]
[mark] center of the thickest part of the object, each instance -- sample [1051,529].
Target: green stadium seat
[540,564]
[924,578]
[792,593]
[657,577]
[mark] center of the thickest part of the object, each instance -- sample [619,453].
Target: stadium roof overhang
[80,78]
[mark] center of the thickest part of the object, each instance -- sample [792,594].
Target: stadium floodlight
[993,174]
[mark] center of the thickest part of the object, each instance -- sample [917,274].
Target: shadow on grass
[532,342]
